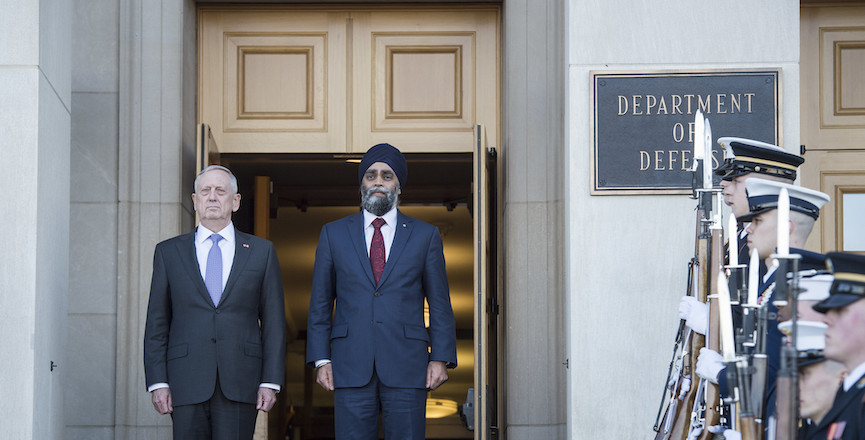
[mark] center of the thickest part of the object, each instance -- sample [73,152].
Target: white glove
[729,434]
[709,364]
[695,314]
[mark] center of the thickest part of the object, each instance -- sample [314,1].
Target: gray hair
[231,177]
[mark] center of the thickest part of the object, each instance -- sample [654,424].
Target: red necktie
[376,250]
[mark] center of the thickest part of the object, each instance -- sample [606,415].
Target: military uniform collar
[855,378]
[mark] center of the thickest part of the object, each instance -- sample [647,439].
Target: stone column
[153,161]
[533,175]
[92,319]
[34,224]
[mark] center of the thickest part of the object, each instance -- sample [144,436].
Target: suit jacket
[845,420]
[187,339]
[380,326]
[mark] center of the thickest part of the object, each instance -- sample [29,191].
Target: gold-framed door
[487,404]
[833,121]
[339,79]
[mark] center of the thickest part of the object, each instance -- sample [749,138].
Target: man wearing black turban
[365,332]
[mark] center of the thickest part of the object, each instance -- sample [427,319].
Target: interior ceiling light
[438,408]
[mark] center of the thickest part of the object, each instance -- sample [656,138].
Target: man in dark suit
[376,268]
[214,341]
[845,343]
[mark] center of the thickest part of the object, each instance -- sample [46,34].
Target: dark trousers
[216,419]
[356,412]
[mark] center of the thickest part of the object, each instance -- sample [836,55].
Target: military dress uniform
[746,156]
[846,419]
[809,349]
[763,197]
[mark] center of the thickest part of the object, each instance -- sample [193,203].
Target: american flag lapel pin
[246,245]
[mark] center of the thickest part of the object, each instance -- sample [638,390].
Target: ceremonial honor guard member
[845,343]
[745,159]
[748,158]
[762,199]
[815,288]
[819,378]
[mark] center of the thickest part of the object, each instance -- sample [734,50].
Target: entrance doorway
[309,190]
[291,96]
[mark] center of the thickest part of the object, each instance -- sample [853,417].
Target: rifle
[678,382]
[787,384]
[746,374]
[711,405]
[742,414]
[684,411]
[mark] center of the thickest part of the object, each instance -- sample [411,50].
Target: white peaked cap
[811,335]
[763,196]
[816,288]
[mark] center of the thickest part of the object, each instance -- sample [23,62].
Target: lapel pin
[403,225]
[246,245]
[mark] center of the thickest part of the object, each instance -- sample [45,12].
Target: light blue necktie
[213,273]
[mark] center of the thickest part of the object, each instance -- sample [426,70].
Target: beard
[375,204]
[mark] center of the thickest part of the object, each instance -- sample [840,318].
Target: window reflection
[853,211]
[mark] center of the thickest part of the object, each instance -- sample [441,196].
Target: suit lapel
[186,249]
[242,248]
[402,232]
[357,235]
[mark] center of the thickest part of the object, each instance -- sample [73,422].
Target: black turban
[388,154]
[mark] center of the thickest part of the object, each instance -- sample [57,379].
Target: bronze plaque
[643,123]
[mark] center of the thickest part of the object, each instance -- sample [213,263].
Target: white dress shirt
[387,230]
[203,243]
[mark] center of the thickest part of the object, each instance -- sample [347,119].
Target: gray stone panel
[18,231]
[90,377]
[94,45]
[144,432]
[19,29]
[93,258]
[52,260]
[55,43]
[534,315]
[550,432]
[612,33]
[94,147]
[89,433]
